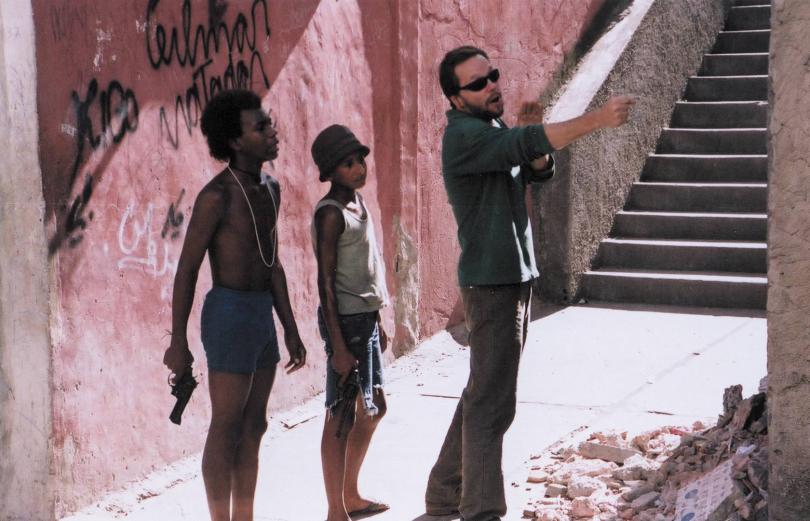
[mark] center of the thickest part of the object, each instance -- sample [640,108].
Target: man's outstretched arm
[612,114]
[531,113]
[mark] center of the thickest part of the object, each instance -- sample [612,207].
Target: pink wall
[122,159]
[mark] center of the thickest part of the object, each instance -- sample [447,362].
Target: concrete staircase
[693,231]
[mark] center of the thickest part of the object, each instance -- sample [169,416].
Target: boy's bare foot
[364,507]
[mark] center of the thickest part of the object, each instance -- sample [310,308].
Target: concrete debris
[584,507]
[642,502]
[584,486]
[538,476]
[732,396]
[605,452]
[668,474]
[555,490]
[575,466]
[637,490]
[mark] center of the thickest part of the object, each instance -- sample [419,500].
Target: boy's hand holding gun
[182,389]
[178,359]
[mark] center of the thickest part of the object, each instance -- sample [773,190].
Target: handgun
[347,393]
[182,389]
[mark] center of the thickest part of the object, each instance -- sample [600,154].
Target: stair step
[713,141]
[686,225]
[728,290]
[662,254]
[740,64]
[727,88]
[720,114]
[698,197]
[742,41]
[705,168]
[747,17]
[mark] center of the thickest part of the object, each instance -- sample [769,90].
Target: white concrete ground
[585,368]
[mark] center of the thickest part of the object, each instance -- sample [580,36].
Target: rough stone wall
[25,413]
[594,176]
[789,263]
[528,42]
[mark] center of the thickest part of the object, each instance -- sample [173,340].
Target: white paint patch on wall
[142,246]
[69,130]
[103,38]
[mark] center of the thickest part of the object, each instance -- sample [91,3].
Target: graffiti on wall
[77,215]
[103,115]
[174,219]
[142,244]
[116,110]
[192,49]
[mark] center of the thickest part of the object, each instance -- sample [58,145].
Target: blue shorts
[362,338]
[238,332]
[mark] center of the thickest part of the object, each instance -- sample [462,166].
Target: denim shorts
[362,337]
[238,332]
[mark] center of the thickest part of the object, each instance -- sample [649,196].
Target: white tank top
[360,276]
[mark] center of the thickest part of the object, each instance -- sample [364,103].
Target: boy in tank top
[351,285]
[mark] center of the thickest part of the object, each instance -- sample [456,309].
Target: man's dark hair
[447,69]
[221,120]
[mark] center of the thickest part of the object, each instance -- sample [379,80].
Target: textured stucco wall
[528,42]
[789,264]
[594,175]
[405,265]
[25,413]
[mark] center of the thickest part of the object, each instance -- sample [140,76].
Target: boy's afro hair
[221,120]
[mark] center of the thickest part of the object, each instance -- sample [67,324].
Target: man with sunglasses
[486,168]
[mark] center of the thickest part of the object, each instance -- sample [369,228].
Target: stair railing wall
[649,54]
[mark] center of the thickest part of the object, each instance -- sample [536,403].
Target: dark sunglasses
[480,83]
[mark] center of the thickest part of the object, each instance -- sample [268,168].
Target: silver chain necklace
[273,234]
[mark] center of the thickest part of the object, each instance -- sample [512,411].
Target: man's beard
[483,113]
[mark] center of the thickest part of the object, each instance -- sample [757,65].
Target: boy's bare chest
[258,210]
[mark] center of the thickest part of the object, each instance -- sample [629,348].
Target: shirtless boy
[235,221]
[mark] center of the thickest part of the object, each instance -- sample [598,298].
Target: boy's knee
[254,429]
[228,430]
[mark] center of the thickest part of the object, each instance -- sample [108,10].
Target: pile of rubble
[669,474]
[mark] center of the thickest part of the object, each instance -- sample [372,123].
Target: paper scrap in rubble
[702,499]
